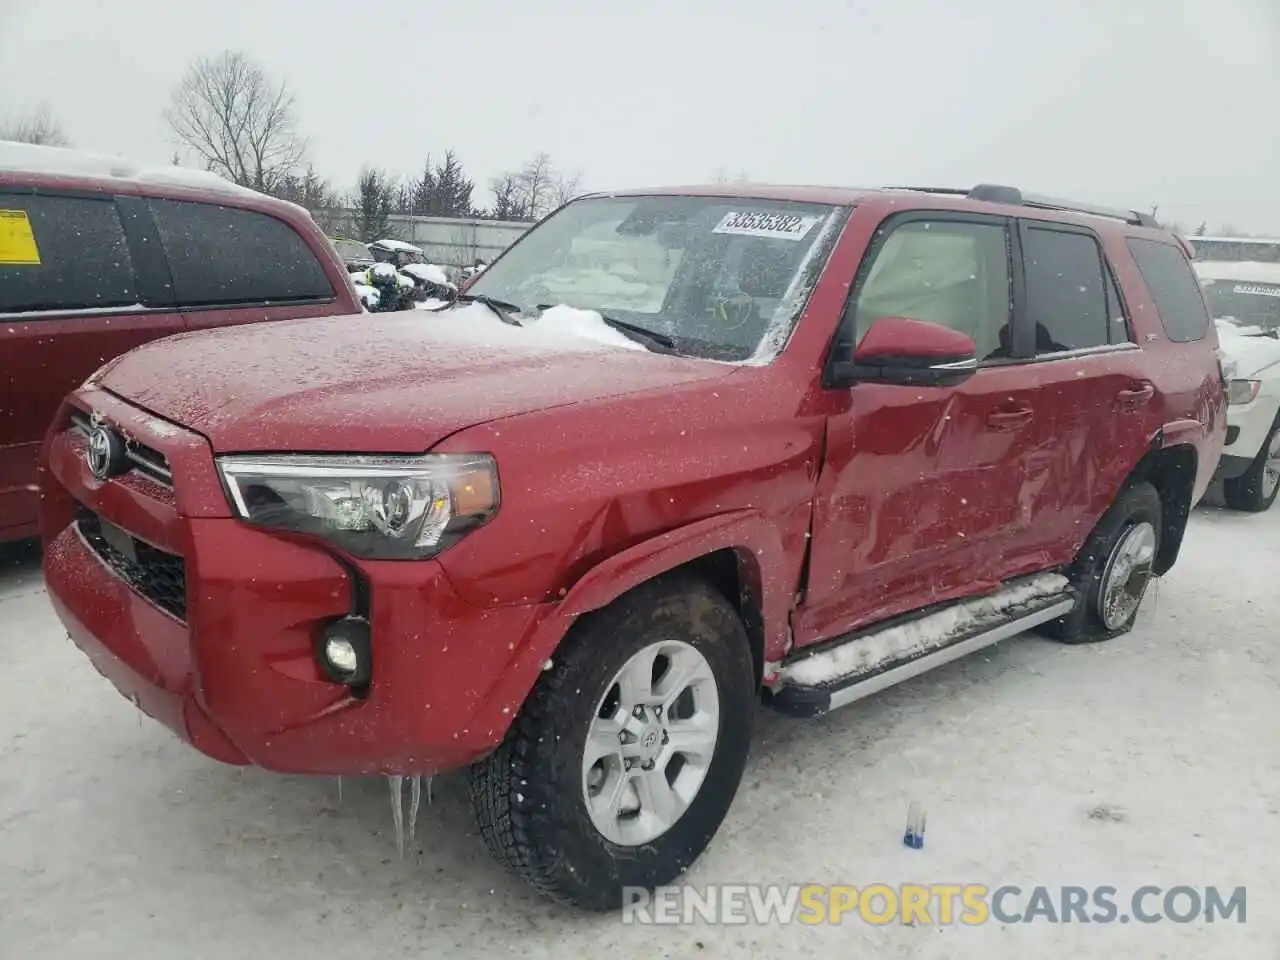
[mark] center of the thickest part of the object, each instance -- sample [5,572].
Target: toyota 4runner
[674,452]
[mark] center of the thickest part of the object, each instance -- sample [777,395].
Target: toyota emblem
[106,454]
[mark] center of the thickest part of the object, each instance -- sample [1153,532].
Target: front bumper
[1248,426]
[230,668]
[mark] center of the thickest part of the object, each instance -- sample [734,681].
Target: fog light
[341,655]
[344,652]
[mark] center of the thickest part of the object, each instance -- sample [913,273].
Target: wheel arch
[740,554]
[1172,470]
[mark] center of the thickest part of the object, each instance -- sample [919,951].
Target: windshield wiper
[635,330]
[505,311]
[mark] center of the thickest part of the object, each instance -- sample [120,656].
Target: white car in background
[1244,299]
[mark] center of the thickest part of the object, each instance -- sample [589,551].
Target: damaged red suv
[673,452]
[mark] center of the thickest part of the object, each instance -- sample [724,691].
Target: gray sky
[1115,101]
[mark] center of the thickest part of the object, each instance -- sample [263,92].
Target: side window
[1066,290]
[1174,288]
[1115,311]
[947,272]
[223,255]
[62,253]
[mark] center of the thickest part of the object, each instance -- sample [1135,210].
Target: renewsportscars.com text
[937,904]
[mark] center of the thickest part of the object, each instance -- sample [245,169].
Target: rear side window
[62,253]
[1174,288]
[1066,290]
[222,255]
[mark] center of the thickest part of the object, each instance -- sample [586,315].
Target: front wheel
[624,760]
[1255,490]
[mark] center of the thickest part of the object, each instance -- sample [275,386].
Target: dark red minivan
[98,256]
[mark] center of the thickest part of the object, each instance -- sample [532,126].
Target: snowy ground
[117,841]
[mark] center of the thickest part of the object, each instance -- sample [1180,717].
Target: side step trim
[814,701]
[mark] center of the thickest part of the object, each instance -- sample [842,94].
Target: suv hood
[394,383]
[1246,354]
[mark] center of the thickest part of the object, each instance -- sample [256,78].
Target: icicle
[429,779]
[415,798]
[396,784]
[339,789]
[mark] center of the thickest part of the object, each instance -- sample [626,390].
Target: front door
[923,487]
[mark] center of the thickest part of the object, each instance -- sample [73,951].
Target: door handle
[1010,419]
[1136,396]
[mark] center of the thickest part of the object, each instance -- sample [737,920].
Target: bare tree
[535,185]
[39,127]
[240,122]
[566,187]
[506,197]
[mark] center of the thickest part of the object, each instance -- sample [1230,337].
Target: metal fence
[448,241]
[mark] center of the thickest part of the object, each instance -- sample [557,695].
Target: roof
[759,191]
[1244,271]
[1001,201]
[60,162]
[1260,240]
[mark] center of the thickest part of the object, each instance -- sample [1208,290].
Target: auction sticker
[17,242]
[1256,290]
[774,226]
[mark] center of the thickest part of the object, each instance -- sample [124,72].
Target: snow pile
[561,322]
[384,272]
[557,327]
[427,273]
[917,637]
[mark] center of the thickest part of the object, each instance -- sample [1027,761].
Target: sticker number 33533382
[778,226]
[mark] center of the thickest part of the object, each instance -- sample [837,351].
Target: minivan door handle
[1010,419]
[1136,396]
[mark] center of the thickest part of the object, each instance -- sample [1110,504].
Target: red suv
[673,451]
[97,256]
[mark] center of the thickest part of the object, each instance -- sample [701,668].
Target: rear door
[231,265]
[1092,395]
[78,286]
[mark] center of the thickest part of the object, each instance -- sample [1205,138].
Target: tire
[1255,490]
[530,797]
[1120,528]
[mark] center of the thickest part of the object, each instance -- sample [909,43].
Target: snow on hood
[389,244]
[393,383]
[1246,355]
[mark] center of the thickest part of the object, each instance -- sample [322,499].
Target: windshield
[1243,303]
[723,278]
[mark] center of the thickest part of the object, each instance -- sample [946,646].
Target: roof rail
[996,193]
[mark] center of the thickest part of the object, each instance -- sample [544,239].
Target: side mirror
[909,353]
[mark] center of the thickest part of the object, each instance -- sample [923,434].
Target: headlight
[376,508]
[1242,391]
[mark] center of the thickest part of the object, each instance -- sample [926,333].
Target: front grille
[159,576]
[147,461]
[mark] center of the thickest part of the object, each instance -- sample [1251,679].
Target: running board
[822,678]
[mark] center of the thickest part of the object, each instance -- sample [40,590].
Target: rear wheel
[624,760]
[1113,569]
[1255,490]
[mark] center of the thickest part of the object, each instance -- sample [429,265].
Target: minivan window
[1066,290]
[63,253]
[1174,287]
[948,272]
[224,255]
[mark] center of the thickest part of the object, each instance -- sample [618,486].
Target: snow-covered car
[1244,299]
[355,255]
[396,252]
